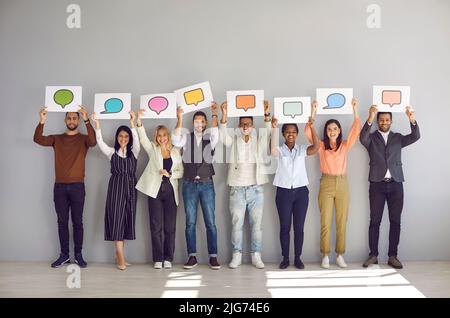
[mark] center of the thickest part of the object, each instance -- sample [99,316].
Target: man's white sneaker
[325,262]
[256,260]
[340,261]
[236,260]
[167,264]
[157,265]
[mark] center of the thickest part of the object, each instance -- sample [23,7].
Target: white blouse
[109,151]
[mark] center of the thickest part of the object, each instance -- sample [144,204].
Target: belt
[200,180]
[388,180]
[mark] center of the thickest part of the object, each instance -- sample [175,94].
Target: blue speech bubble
[113,105]
[335,100]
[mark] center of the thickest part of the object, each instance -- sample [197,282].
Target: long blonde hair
[162,127]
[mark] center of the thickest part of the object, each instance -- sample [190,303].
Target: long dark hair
[326,140]
[130,141]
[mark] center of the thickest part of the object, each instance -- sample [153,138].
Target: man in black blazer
[386,177]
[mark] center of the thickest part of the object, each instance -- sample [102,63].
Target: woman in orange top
[334,190]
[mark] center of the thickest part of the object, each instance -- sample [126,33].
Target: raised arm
[415,133]
[179,139]
[136,144]
[356,126]
[274,138]
[143,139]
[225,138]
[91,140]
[39,138]
[107,150]
[307,130]
[311,150]
[364,136]
[214,135]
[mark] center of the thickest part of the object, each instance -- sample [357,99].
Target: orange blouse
[335,162]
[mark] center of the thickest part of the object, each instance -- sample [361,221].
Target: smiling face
[72,120]
[290,134]
[384,122]
[200,123]
[246,126]
[162,137]
[123,139]
[333,131]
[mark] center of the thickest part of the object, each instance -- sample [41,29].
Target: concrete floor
[37,279]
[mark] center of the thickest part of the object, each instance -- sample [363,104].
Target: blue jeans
[193,192]
[246,199]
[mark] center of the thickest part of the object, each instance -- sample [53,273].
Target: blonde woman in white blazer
[159,182]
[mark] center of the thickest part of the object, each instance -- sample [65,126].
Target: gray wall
[287,48]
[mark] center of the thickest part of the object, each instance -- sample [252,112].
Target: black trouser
[379,193]
[69,196]
[292,204]
[163,220]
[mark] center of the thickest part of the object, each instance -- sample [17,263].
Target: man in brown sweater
[68,193]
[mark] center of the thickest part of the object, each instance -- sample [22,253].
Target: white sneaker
[256,260]
[157,265]
[236,260]
[340,261]
[167,264]
[325,262]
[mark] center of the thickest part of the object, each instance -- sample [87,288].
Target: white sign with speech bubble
[63,98]
[194,97]
[159,105]
[292,109]
[391,98]
[334,101]
[245,103]
[112,106]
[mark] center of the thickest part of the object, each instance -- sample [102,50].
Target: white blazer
[150,180]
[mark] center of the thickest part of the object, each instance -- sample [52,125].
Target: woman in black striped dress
[120,211]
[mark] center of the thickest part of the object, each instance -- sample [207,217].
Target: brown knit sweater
[70,152]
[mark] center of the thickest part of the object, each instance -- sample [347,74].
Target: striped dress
[120,210]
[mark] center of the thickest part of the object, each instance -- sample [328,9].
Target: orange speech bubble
[245,102]
[391,98]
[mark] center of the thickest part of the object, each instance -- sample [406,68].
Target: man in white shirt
[246,178]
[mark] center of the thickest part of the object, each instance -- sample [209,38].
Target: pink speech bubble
[158,104]
[391,98]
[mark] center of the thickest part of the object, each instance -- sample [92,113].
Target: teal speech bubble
[63,97]
[113,105]
[292,109]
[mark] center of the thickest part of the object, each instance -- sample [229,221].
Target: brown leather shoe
[394,262]
[213,263]
[191,263]
[371,260]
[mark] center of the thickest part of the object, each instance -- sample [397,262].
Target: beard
[72,128]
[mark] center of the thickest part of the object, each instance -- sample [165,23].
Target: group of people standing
[189,156]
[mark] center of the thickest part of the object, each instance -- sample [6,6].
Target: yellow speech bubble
[194,96]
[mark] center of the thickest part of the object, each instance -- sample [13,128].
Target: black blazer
[386,156]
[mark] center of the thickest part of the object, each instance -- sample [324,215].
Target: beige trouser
[333,192]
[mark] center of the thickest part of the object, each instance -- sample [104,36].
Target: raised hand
[410,113]
[132,118]
[274,122]
[83,112]
[266,107]
[95,120]
[214,108]
[373,110]
[43,115]
[139,116]
[314,106]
